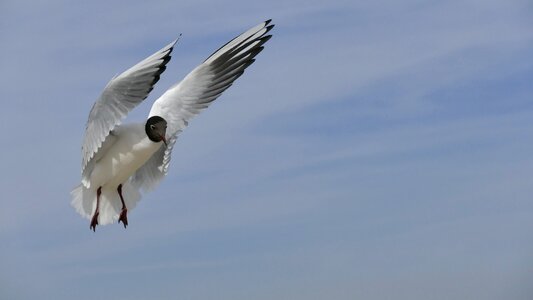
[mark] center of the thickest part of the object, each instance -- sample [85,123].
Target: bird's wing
[198,89]
[120,96]
[152,172]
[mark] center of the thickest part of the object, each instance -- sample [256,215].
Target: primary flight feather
[120,160]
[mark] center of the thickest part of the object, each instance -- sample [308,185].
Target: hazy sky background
[375,150]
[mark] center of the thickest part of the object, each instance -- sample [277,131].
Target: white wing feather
[120,96]
[197,90]
[154,170]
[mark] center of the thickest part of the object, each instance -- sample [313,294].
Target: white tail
[84,202]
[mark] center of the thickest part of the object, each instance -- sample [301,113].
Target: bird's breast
[120,161]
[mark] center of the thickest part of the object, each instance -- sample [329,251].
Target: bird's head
[156,129]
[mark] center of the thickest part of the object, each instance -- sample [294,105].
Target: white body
[130,150]
[123,153]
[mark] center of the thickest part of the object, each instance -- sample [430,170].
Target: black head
[156,129]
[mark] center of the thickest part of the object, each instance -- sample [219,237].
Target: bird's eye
[152,127]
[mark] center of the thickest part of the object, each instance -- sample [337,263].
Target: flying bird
[120,160]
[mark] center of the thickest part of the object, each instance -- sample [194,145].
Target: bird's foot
[123,217]
[94,221]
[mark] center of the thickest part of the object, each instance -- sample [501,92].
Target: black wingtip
[163,65]
[269,27]
[265,39]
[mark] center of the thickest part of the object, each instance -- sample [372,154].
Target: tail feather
[84,202]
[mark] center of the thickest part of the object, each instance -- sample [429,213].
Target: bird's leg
[94,220]
[124,212]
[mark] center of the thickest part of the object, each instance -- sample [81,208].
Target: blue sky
[375,150]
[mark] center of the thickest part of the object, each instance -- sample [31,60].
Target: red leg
[124,212]
[94,220]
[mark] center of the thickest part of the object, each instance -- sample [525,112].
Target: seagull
[120,160]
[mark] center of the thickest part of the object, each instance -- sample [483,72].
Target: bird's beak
[164,141]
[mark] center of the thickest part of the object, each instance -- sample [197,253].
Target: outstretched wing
[197,90]
[120,96]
